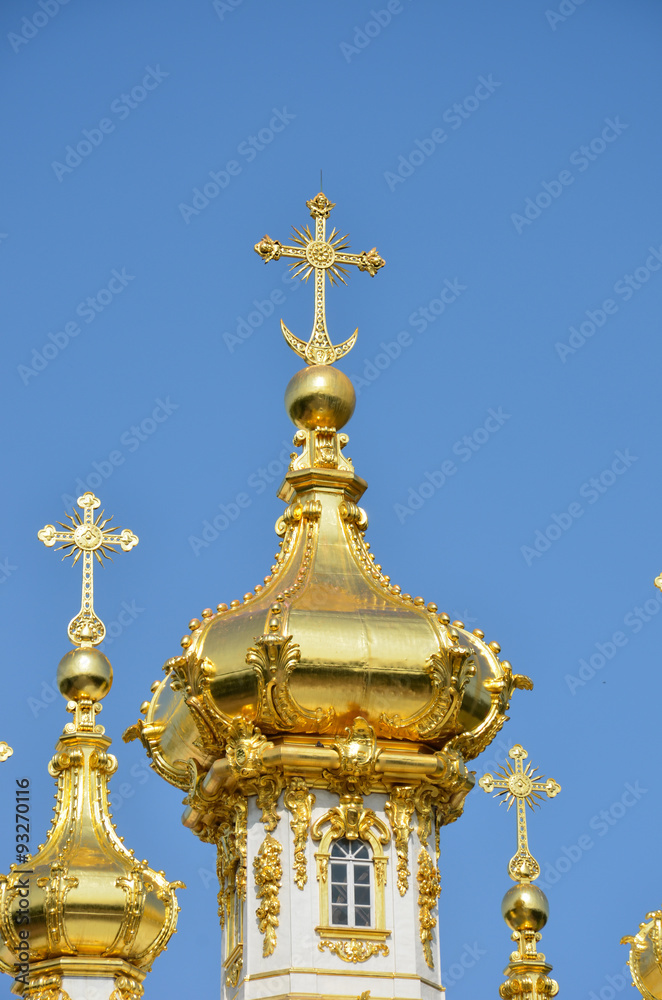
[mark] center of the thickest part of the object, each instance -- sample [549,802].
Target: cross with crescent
[524,786]
[323,256]
[88,537]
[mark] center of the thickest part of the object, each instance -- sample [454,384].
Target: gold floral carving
[299,801]
[429,887]
[449,672]
[399,809]
[268,875]
[354,950]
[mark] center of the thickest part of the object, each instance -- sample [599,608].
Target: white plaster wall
[88,989]
[297,966]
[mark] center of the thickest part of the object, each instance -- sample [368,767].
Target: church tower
[321,727]
[83,918]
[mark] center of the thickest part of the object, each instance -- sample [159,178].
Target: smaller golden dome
[525,907]
[84,672]
[94,908]
[319,397]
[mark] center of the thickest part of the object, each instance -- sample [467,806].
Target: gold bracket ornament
[88,537]
[524,786]
[323,256]
[400,809]
[45,987]
[299,801]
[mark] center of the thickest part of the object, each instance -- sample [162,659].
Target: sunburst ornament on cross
[524,786]
[88,537]
[325,256]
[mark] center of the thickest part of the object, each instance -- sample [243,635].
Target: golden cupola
[83,913]
[327,637]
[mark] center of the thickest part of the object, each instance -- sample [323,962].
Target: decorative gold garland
[268,875]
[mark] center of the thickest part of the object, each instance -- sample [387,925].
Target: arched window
[351,883]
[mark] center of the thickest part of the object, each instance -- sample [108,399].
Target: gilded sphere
[84,672]
[525,907]
[319,396]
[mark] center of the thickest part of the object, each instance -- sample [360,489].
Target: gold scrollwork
[501,690]
[449,672]
[127,988]
[646,951]
[273,658]
[429,887]
[399,809]
[349,819]
[46,987]
[357,750]
[354,950]
[136,888]
[234,965]
[268,875]
[56,887]
[299,801]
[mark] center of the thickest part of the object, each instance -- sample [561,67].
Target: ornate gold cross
[321,255]
[523,786]
[89,537]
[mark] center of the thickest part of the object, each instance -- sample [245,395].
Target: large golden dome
[328,637]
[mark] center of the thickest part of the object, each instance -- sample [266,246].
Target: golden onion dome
[84,907]
[328,637]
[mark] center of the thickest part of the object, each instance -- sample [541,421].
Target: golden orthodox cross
[321,255]
[524,786]
[88,537]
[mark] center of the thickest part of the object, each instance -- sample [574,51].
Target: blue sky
[505,160]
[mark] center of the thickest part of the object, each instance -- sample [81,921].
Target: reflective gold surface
[320,396]
[327,638]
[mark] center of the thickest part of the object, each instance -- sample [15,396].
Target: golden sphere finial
[525,907]
[320,396]
[84,672]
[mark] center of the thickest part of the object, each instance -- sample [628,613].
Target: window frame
[377,932]
[351,862]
